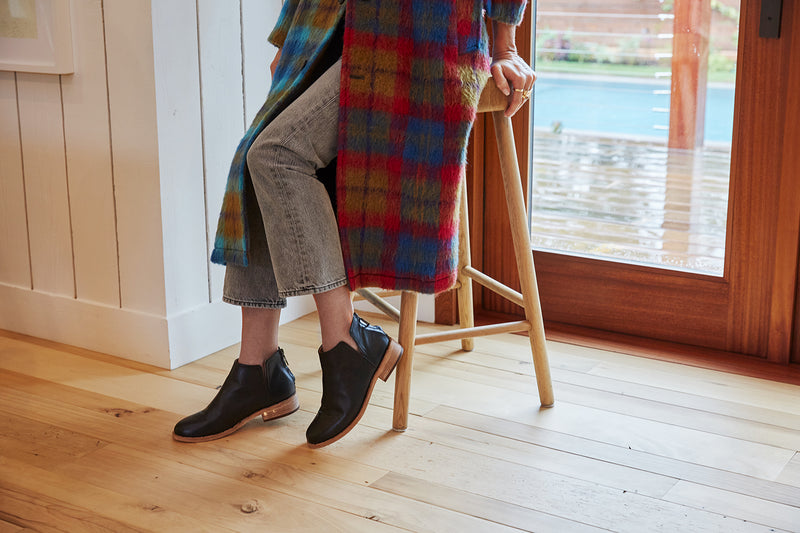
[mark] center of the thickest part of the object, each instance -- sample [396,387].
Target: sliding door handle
[770,27]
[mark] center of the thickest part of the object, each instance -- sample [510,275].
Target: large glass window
[633,119]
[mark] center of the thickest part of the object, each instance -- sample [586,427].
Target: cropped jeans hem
[315,289]
[279,304]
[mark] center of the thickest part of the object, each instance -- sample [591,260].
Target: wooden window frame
[754,308]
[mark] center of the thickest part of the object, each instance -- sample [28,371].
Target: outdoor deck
[630,200]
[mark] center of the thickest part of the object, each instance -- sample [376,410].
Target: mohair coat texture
[412,73]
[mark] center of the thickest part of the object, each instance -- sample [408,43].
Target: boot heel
[390,359]
[284,408]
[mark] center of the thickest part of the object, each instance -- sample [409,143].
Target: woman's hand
[512,75]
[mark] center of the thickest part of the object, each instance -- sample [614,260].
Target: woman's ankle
[331,336]
[335,309]
[255,358]
[259,335]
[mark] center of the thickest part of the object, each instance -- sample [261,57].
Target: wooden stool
[494,101]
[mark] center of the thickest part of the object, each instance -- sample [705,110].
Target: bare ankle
[335,316]
[257,358]
[259,334]
[333,334]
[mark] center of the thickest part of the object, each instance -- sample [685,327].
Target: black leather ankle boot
[249,390]
[348,377]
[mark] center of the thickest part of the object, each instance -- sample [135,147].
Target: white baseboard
[129,334]
[166,342]
[201,331]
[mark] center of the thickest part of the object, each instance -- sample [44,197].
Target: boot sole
[389,362]
[273,412]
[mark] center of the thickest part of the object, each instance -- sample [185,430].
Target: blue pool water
[622,107]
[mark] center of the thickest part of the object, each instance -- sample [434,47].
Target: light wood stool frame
[494,101]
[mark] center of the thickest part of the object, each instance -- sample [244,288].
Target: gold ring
[526,93]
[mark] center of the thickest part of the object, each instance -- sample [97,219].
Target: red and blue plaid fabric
[412,73]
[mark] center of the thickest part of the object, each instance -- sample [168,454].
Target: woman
[384,93]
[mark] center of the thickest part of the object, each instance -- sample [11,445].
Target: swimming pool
[622,106]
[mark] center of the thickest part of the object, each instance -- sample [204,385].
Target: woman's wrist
[503,38]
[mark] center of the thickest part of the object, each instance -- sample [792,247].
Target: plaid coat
[412,72]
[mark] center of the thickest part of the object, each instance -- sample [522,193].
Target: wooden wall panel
[134,145]
[88,149]
[219,25]
[15,268]
[116,156]
[180,154]
[42,135]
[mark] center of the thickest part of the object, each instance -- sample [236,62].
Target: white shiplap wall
[111,178]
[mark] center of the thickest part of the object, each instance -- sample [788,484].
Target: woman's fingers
[515,79]
[500,79]
[517,98]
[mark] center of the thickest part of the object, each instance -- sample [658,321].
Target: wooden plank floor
[632,444]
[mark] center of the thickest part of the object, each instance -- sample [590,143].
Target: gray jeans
[294,238]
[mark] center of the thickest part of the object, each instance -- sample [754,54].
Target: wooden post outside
[690,48]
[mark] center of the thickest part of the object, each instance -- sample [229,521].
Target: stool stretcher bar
[476,331]
[379,302]
[492,284]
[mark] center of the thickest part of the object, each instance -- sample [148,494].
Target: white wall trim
[146,338]
[201,331]
[130,334]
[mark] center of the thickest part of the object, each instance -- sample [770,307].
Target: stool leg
[522,248]
[466,317]
[402,374]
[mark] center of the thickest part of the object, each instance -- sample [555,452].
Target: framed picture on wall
[35,36]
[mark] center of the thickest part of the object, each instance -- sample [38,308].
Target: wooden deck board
[630,200]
